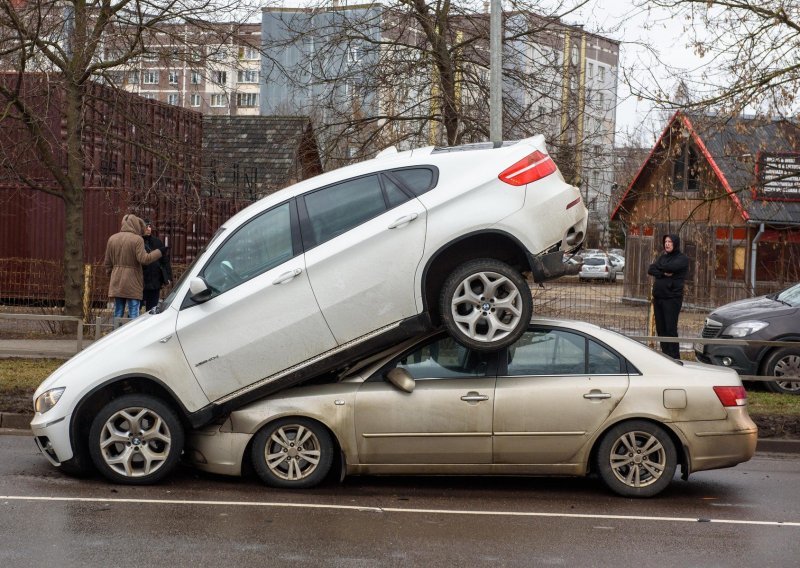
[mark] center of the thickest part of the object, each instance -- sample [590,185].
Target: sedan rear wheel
[784,364]
[637,459]
[136,439]
[486,304]
[292,453]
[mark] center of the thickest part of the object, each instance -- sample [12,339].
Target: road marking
[400,510]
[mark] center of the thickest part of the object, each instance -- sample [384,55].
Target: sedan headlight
[47,400]
[744,328]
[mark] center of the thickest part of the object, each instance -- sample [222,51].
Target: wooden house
[730,187]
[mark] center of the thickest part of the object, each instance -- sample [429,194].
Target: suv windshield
[791,296]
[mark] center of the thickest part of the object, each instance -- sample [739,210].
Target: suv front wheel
[486,304]
[784,365]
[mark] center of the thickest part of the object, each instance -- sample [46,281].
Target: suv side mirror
[401,379]
[199,290]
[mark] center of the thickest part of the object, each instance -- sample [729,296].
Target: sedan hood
[750,308]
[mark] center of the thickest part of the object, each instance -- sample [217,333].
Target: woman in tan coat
[125,256]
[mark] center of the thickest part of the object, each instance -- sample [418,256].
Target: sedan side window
[262,244]
[548,352]
[602,361]
[335,209]
[444,359]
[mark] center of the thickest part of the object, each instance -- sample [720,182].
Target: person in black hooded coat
[669,271]
[156,274]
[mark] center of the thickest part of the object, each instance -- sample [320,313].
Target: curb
[19,425]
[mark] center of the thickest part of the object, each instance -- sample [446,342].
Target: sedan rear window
[594,261]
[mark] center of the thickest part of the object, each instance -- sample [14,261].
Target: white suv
[308,280]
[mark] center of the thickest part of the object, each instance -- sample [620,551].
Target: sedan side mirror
[401,379]
[199,290]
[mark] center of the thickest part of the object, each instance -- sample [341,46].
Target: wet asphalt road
[745,516]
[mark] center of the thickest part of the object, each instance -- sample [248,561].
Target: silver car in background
[597,267]
[567,398]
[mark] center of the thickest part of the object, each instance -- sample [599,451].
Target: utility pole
[496,72]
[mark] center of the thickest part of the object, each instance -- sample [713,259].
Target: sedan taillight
[531,168]
[731,396]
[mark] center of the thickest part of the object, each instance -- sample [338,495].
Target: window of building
[133,77]
[172,77]
[195,77]
[248,53]
[219,100]
[172,98]
[246,99]
[601,73]
[686,170]
[194,100]
[150,77]
[149,96]
[731,253]
[590,67]
[247,76]
[220,77]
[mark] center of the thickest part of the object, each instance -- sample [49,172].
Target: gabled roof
[731,146]
[258,154]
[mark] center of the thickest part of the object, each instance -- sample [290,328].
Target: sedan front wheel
[637,459]
[292,453]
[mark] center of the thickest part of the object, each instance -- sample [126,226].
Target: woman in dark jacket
[669,271]
[156,274]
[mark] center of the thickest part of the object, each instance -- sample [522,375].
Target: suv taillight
[731,396]
[533,167]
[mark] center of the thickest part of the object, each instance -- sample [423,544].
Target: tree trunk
[73,202]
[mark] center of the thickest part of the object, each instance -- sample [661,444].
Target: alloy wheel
[638,459]
[135,442]
[486,306]
[292,452]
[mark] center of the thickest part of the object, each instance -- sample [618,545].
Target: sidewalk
[65,348]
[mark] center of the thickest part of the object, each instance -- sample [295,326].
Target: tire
[784,363]
[486,305]
[136,440]
[280,461]
[636,459]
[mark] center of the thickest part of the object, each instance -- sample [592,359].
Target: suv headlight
[744,328]
[47,400]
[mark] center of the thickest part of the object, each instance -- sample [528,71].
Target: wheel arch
[493,244]
[764,355]
[681,447]
[91,404]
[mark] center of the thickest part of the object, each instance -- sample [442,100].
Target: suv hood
[761,307]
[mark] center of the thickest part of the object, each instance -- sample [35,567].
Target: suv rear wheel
[486,304]
[784,365]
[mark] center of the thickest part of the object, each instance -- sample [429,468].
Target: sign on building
[778,175]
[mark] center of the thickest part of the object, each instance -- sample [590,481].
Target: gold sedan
[568,398]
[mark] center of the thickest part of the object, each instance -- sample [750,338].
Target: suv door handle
[287,276]
[473,396]
[404,220]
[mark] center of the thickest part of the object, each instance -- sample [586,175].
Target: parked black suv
[774,317]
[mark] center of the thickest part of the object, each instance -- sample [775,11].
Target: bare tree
[407,72]
[76,44]
[752,54]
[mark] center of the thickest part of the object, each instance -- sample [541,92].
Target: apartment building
[214,69]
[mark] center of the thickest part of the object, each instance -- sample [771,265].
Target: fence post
[87,291]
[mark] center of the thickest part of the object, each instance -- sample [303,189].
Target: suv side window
[443,359]
[263,243]
[418,180]
[337,208]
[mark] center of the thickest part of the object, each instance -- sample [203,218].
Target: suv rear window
[418,180]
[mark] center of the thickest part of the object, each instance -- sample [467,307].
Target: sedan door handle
[474,397]
[287,276]
[404,220]
[595,395]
